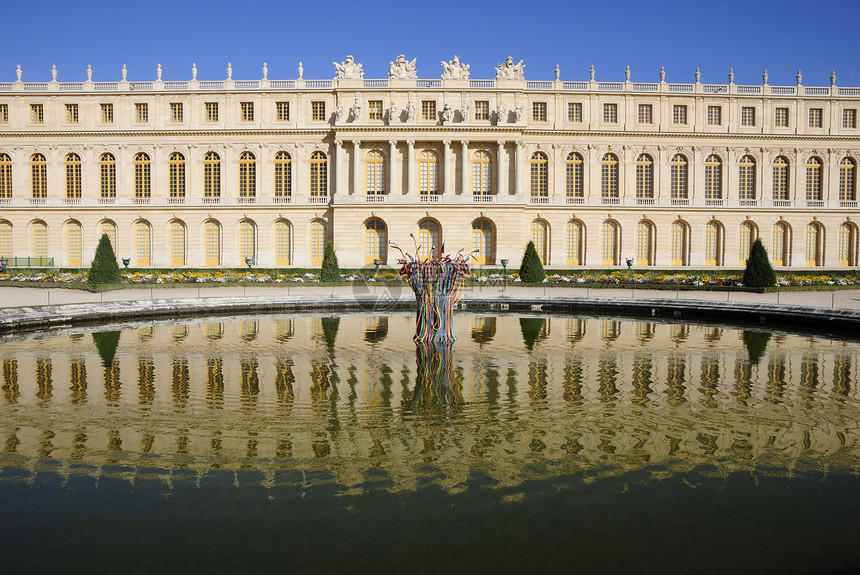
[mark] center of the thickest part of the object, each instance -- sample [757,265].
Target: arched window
[746,178]
[540,236]
[5,239]
[483,241]
[40,242]
[143,233]
[539,175]
[482,170]
[212,234]
[609,176]
[713,178]
[610,253]
[211,175]
[107,176]
[678,177]
[319,179]
[108,228]
[713,244]
[375,241]
[780,179]
[814,244]
[375,173]
[247,241]
[73,176]
[5,177]
[847,244]
[283,243]
[74,238]
[318,239]
[428,173]
[781,242]
[813,179]
[176,166]
[747,234]
[283,175]
[142,179]
[39,175]
[644,243]
[177,243]
[847,180]
[429,237]
[680,243]
[573,176]
[247,175]
[575,236]
[644,176]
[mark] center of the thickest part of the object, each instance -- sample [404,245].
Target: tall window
[108,228]
[678,177]
[539,238]
[610,113]
[573,176]
[680,244]
[375,241]
[75,241]
[212,234]
[39,176]
[746,236]
[176,165]
[644,176]
[781,242]
[575,237]
[482,168]
[211,175]
[713,244]
[318,239]
[318,111]
[283,175]
[4,113]
[483,241]
[814,244]
[177,243]
[813,179]
[428,110]
[715,116]
[679,115]
[847,180]
[815,115]
[319,179]
[71,113]
[780,117]
[107,176]
[747,116]
[610,254]
[746,178]
[847,244]
[539,175]
[282,111]
[73,176]
[247,109]
[428,173]
[646,115]
[609,176]
[375,173]
[106,113]
[780,179]
[429,237]
[644,243]
[247,175]
[5,177]
[40,241]
[142,181]
[539,111]
[6,239]
[247,241]
[713,178]
[143,233]
[574,112]
[283,243]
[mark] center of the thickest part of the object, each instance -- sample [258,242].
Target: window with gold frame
[644,243]
[37,114]
[780,117]
[849,118]
[679,114]
[141,112]
[781,244]
[39,176]
[573,167]
[610,113]
[106,113]
[282,111]
[646,114]
[715,116]
[176,112]
[428,173]
[574,112]
[73,176]
[428,110]
[375,241]
[71,113]
[813,179]
[539,111]
[815,117]
[211,175]
[609,176]
[211,111]
[539,175]
[574,236]
[644,177]
[747,116]
[318,111]
[143,237]
[6,250]
[610,250]
[540,237]
[283,242]
[482,110]
[814,244]
[212,242]
[247,175]
[283,175]
[678,177]
[142,179]
[176,175]
[5,177]
[780,178]
[483,242]
[713,178]
[746,178]
[247,110]
[4,113]
[374,109]
[177,243]
[318,241]
[847,180]
[680,242]
[482,169]
[319,174]
[74,239]
[247,241]
[40,240]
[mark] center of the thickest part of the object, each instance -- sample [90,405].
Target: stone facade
[208,173]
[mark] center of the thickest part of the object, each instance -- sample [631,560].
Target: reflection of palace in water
[526,397]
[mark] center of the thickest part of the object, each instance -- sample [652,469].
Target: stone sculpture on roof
[402,69]
[510,71]
[349,69]
[454,70]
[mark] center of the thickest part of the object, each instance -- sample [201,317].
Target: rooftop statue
[348,69]
[454,70]
[402,69]
[509,70]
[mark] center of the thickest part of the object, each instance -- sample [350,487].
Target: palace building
[218,173]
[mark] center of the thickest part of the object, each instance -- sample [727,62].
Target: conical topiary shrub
[531,270]
[759,273]
[104,270]
[330,271]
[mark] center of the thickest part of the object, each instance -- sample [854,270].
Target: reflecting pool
[314,443]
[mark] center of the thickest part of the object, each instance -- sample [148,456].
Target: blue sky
[747,35]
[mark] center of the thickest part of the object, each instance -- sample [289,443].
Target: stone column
[356,166]
[464,174]
[797,180]
[447,180]
[392,167]
[519,162]
[338,165]
[409,188]
[502,185]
